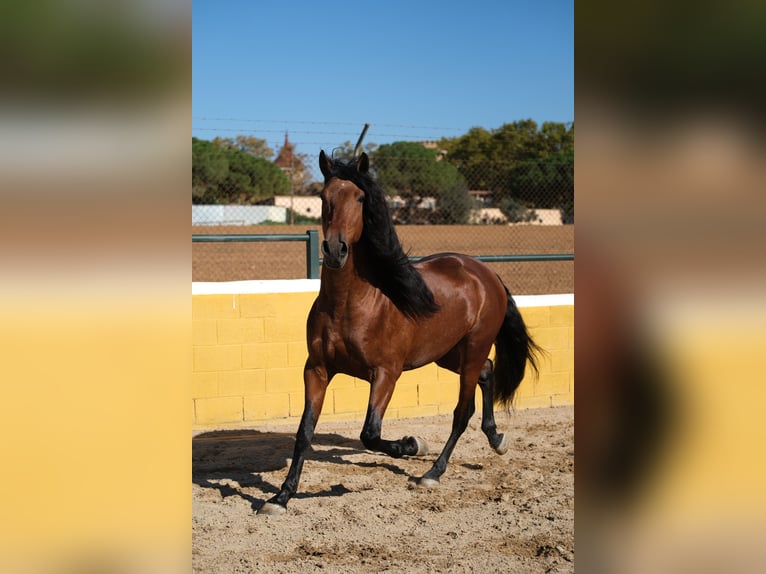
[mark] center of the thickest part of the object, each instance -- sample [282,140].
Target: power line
[311,132]
[310,122]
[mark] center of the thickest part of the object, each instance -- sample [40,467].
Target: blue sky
[414,70]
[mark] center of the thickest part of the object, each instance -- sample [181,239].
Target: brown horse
[377,314]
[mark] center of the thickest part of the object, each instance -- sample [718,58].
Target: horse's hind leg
[499,442]
[462,414]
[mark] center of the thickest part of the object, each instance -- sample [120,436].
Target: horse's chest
[348,347]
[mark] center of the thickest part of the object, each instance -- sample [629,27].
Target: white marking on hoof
[271,509]
[502,448]
[422,446]
[428,482]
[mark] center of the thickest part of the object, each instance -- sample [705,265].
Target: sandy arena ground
[359,511]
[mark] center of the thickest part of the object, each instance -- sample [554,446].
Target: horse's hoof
[502,448]
[271,509]
[422,445]
[428,482]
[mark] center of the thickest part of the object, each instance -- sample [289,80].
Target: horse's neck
[342,288]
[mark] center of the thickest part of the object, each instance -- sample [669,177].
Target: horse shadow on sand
[233,461]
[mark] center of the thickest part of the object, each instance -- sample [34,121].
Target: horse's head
[342,211]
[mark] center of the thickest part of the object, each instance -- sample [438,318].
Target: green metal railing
[311,237]
[518,258]
[313,261]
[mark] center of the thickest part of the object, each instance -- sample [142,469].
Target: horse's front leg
[315,381]
[381,389]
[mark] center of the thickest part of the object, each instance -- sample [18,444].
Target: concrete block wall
[249,349]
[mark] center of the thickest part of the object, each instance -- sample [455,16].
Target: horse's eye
[360,199]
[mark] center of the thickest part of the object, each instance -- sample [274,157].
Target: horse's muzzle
[335,253]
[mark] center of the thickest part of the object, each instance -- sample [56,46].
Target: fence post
[312,254]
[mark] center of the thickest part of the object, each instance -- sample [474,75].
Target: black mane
[390,268]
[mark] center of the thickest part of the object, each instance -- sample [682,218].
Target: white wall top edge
[255,287]
[312,285]
[554,300]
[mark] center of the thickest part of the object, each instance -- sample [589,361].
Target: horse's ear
[363,163]
[325,165]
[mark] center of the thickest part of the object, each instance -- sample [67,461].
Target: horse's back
[471,297]
[458,271]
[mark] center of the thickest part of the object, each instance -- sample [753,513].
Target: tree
[223,175]
[486,158]
[252,179]
[209,168]
[546,183]
[474,155]
[454,204]
[346,150]
[248,144]
[557,137]
[515,211]
[414,173]
[524,167]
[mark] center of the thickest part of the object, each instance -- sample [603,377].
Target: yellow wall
[249,351]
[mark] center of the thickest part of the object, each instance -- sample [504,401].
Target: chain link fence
[477,208]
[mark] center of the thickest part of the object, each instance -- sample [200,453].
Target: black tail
[513,349]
